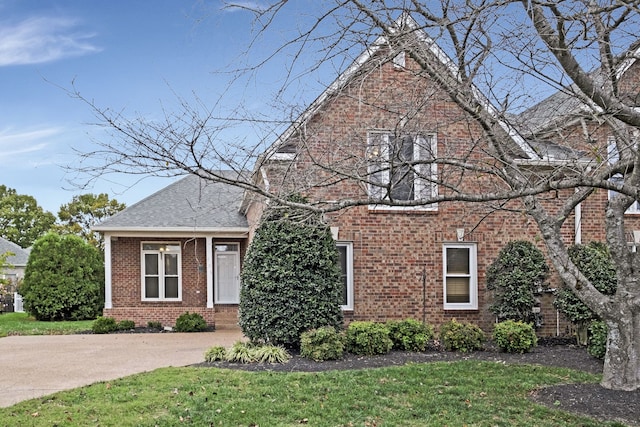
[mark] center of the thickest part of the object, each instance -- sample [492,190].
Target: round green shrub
[597,346]
[104,325]
[290,279]
[64,279]
[125,325]
[464,337]
[324,343]
[515,337]
[516,276]
[368,338]
[594,261]
[190,322]
[409,334]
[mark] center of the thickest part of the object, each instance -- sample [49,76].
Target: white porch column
[107,271]
[209,245]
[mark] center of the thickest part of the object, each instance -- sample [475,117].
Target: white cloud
[38,40]
[27,142]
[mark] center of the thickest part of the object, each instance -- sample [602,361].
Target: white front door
[227,273]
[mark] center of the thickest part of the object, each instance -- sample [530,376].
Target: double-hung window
[613,156]
[345,251]
[401,168]
[460,276]
[161,272]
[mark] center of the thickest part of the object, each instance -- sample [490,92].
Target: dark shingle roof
[191,203]
[19,257]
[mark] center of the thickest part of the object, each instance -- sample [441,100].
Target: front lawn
[471,393]
[23,324]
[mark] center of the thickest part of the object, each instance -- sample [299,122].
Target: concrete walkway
[35,366]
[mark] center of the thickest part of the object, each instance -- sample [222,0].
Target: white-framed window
[460,273]
[612,157]
[401,168]
[227,273]
[345,249]
[161,271]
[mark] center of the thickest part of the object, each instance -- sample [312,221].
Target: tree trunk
[622,360]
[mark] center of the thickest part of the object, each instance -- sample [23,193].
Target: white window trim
[419,183]
[216,284]
[612,157]
[160,282]
[473,276]
[349,252]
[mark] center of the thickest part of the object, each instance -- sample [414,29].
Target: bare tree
[494,60]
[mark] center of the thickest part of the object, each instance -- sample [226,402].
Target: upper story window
[401,167]
[613,156]
[161,272]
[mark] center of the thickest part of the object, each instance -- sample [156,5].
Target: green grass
[23,324]
[469,393]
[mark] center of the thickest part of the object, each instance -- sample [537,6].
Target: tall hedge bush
[516,276]
[290,279]
[64,279]
[594,261]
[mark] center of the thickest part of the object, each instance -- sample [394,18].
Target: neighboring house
[14,272]
[181,249]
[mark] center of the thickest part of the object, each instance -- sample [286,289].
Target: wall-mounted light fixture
[460,234]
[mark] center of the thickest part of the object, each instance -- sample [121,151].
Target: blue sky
[131,55]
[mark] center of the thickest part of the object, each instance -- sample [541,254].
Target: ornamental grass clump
[368,338]
[215,354]
[241,352]
[270,354]
[463,337]
[409,334]
[324,343]
[515,337]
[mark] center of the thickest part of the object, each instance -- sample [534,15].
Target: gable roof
[20,256]
[191,204]
[404,21]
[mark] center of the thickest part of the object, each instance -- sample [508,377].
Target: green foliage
[125,325]
[154,325]
[241,352]
[22,221]
[104,325]
[409,334]
[594,261]
[324,343]
[190,322]
[464,337]
[516,276]
[368,338]
[290,279]
[215,354]
[83,212]
[515,337]
[64,279]
[597,346]
[270,354]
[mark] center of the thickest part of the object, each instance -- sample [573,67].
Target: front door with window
[227,273]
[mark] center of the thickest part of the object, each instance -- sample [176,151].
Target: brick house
[181,249]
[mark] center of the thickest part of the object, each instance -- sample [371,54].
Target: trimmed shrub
[240,352]
[594,261]
[104,325]
[290,278]
[270,354]
[516,276]
[597,346]
[409,334]
[190,322]
[324,343]
[154,325]
[64,279]
[125,325]
[368,338]
[215,353]
[515,337]
[464,337]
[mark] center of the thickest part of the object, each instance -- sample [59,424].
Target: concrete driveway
[35,366]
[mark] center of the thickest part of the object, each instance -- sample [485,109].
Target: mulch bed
[586,399]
